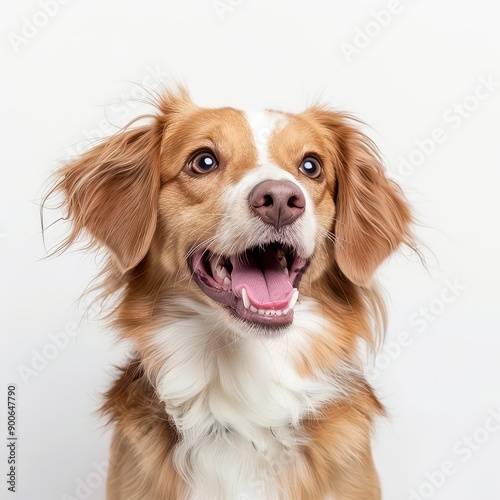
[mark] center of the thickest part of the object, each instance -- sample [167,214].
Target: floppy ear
[372,216]
[112,192]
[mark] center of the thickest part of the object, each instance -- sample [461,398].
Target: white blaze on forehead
[263,124]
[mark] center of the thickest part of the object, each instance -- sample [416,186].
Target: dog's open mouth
[260,285]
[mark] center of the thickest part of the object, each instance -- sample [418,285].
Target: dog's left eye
[311,167]
[203,162]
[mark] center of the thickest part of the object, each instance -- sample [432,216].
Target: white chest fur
[237,402]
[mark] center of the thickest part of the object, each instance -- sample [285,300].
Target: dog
[242,250]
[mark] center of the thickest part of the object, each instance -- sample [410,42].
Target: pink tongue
[263,277]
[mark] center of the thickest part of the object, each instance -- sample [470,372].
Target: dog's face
[245,206]
[235,208]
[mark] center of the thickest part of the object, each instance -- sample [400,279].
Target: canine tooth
[253,309]
[227,280]
[283,262]
[285,311]
[245,297]
[261,311]
[280,253]
[294,298]
[221,271]
[279,312]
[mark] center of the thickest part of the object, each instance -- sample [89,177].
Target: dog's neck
[238,401]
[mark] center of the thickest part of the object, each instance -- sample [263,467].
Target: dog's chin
[258,287]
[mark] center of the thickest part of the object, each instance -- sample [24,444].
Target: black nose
[277,202]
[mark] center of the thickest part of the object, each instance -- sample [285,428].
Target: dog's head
[235,208]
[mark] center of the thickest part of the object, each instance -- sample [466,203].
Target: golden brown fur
[132,195]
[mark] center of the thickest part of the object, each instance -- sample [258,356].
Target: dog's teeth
[222,272]
[270,312]
[279,312]
[246,298]
[227,280]
[285,311]
[294,298]
[280,253]
[253,309]
[261,311]
[283,263]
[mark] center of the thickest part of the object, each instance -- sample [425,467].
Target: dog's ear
[112,192]
[372,216]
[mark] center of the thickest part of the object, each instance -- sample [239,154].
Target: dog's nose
[277,202]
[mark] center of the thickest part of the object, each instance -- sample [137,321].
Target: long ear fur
[112,192]
[372,216]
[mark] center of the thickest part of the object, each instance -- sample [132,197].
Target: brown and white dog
[243,247]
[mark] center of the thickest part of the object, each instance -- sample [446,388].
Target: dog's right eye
[203,162]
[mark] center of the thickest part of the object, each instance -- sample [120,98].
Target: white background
[64,83]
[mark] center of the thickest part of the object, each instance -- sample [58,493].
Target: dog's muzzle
[260,283]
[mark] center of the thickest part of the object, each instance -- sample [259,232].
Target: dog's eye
[203,162]
[311,167]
